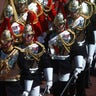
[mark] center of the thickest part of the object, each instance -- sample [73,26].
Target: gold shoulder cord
[36,56]
[41,9]
[4,63]
[36,20]
[29,52]
[67,45]
[20,49]
[86,23]
[26,51]
[21,21]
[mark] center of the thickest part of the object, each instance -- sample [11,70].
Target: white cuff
[28,85]
[48,73]
[91,49]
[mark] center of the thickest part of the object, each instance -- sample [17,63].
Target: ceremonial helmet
[86,9]
[6,36]
[59,19]
[21,5]
[28,30]
[92,1]
[73,6]
[94,5]
[20,1]
[8,11]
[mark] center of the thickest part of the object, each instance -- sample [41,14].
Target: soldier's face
[6,44]
[21,7]
[28,38]
[60,27]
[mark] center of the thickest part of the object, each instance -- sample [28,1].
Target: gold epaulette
[67,45]
[36,56]
[4,63]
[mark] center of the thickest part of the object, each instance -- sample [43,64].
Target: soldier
[58,43]
[9,67]
[37,60]
[91,39]
[16,27]
[49,11]
[60,6]
[41,18]
[82,14]
[25,12]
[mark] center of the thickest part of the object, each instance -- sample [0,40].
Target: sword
[67,85]
[44,93]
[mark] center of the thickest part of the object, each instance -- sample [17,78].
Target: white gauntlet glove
[28,86]
[49,85]
[91,51]
[76,72]
[25,93]
[48,72]
[90,59]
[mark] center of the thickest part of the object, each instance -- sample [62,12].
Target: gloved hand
[90,59]
[49,85]
[25,93]
[76,72]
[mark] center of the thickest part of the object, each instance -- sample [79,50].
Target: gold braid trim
[85,25]
[48,8]
[41,9]
[68,50]
[22,22]
[29,52]
[67,45]
[36,56]
[4,63]
[72,41]
[26,51]
[20,49]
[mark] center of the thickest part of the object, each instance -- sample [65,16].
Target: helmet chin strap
[8,49]
[30,42]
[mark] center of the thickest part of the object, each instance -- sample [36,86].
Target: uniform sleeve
[45,61]
[90,37]
[25,73]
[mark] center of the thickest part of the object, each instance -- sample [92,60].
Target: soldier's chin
[28,42]
[5,46]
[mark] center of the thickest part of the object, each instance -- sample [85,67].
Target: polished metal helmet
[86,9]
[59,19]
[92,1]
[94,5]
[28,30]
[6,36]
[73,6]
[8,11]
[20,1]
